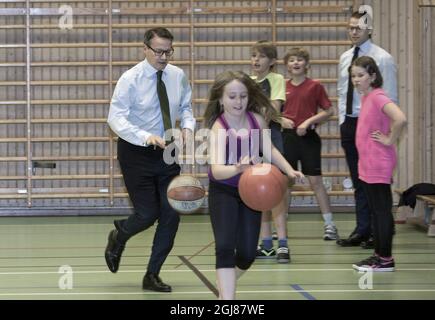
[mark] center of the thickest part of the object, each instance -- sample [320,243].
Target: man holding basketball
[142,112]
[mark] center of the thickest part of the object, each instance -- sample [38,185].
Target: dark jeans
[236,227]
[147,177]
[363,219]
[380,202]
[276,137]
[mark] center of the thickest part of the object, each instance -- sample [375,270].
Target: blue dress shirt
[135,114]
[388,70]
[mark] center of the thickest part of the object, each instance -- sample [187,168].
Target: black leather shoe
[113,252]
[368,244]
[354,240]
[152,281]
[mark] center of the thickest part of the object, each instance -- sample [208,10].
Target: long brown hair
[258,102]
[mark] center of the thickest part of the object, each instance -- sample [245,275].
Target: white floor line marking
[99,293]
[204,270]
[210,293]
[111,224]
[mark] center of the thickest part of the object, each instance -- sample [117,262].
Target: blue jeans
[276,136]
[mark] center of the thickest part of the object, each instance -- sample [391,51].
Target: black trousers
[380,202]
[236,227]
[363,219]
[147,177]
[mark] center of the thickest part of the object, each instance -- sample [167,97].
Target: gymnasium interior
[60,182]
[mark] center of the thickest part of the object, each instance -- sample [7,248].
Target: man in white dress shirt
[360,30]
[147,101]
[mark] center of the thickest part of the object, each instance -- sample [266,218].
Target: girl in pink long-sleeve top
[379,126]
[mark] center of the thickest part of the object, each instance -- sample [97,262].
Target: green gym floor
[63,258]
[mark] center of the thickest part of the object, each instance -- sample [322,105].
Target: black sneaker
[368,244]
[366,262]
[375,264]
[283,255]
[263,253]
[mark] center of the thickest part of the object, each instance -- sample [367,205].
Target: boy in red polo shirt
[304,97]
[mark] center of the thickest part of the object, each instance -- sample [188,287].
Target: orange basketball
[262,186]
[185,194]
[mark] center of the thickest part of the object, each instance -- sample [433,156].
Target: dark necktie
[265,86]
[349,99]
[164,102]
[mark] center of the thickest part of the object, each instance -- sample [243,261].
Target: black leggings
[236,227]
[380,205]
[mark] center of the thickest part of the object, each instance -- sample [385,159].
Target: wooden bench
[423,210]
[421,215]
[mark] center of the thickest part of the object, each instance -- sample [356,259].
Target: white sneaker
[330,232]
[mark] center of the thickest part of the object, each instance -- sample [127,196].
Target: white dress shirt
[134,113]
[388,70]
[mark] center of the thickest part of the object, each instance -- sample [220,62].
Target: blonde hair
[297,52]
[300,53]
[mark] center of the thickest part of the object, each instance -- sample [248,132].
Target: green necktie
[164,102]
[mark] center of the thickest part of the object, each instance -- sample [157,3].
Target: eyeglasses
[357,29]
[159,53]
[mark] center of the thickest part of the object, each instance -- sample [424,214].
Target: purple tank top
[233,155]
